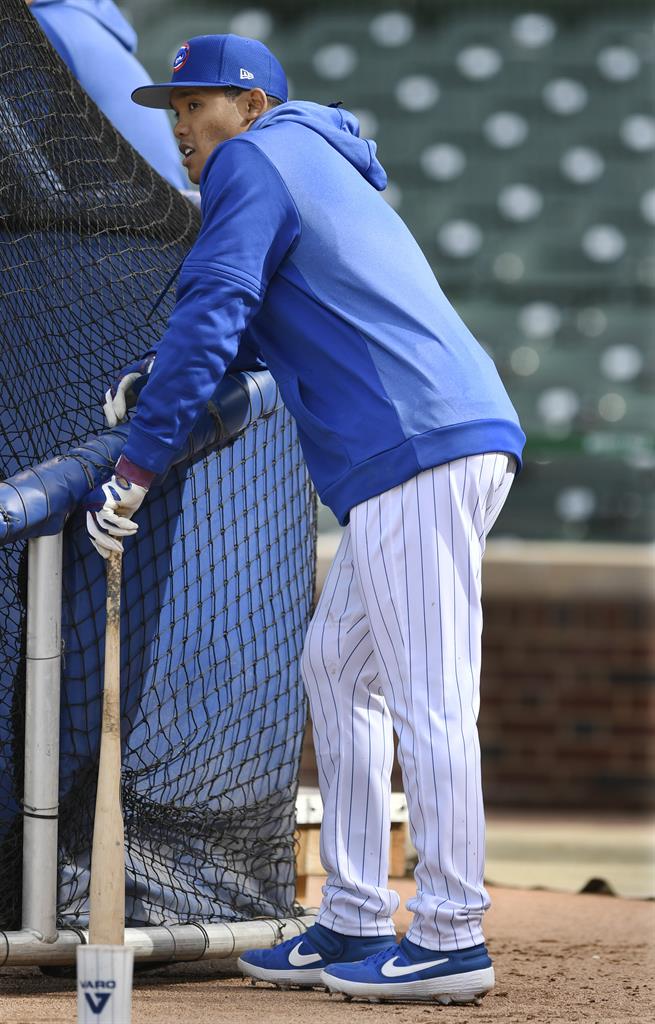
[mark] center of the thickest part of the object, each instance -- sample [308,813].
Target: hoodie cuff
[135,474]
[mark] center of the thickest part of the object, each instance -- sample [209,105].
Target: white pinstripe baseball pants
[395,642]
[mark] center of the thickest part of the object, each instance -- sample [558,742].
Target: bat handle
[114,569]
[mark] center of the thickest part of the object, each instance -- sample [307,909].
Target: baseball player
[409,437]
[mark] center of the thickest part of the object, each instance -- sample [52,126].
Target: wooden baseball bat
[107,888]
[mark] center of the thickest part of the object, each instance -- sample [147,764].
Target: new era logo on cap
[245,74]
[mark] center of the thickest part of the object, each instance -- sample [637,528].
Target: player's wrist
[133,473]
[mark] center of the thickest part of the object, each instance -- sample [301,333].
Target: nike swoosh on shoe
[390,970]
[298,959]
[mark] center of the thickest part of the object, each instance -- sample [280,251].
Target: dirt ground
[559,959]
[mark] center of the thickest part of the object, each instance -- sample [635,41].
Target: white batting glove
[122,395]
[110,508]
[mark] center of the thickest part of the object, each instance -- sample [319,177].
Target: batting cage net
[217,589]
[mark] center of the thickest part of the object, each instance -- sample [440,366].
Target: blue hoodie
[99,46]
[300,258]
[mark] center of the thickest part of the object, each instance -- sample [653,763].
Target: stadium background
[520,147]
[566,310]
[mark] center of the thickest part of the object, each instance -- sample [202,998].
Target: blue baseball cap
[215,61]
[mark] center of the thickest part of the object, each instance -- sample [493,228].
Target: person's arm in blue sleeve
[248,357]
[55,38]
[250,223]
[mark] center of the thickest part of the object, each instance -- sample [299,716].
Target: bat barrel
[107,890]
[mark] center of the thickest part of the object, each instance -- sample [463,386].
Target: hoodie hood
[104,11]
[338,127]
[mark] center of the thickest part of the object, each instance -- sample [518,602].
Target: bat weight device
[104,967]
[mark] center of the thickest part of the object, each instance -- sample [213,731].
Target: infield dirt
[559,958]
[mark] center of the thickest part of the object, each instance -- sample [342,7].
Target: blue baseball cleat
[408,971]
[300,960]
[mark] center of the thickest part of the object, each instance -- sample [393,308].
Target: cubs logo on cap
[208,62]
[181,57]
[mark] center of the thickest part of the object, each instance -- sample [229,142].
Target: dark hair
[232,91]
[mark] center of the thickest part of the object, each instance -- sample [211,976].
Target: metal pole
[163,943]
[41,797]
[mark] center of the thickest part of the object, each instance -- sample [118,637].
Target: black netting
[218,587]
[217,590]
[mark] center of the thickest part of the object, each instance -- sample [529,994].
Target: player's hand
[110,508]
[122,395]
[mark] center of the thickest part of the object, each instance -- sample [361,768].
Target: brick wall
[568,703]
[568,688]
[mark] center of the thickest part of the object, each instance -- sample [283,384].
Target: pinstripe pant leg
[354,750]
[417,553]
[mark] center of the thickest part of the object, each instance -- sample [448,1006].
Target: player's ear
[253,103]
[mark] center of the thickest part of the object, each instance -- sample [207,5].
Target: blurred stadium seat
[520,149]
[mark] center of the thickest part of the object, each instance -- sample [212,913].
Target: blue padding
[37,502]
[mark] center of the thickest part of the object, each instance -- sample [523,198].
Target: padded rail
[37,502]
